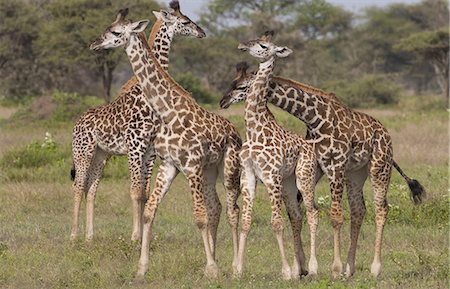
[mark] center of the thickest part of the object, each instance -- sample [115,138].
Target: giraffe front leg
[248,190]
[167,172]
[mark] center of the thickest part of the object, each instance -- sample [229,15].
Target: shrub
[33,155]
[369,90]
[58,107]
[193,84]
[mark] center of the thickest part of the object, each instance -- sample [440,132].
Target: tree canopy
[43,46]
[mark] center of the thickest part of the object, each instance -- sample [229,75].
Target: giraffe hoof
[139,279]
[336,270]
[237,273]
[349,271]
[211,271]
[375,269]
[286,273]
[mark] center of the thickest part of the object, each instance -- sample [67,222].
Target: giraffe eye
[115,33]
[262,46]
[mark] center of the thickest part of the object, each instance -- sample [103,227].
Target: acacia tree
[432,47]
[72,24]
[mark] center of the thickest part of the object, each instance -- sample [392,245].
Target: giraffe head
[239,86]
[119,32]
[263,48]
[179,23]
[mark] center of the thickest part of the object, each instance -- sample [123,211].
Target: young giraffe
[350,146]
[124,126]
[279,159]
[191,140]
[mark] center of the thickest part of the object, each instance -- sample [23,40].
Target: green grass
[36,207]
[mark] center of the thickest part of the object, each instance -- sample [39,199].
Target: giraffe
[191,140]
[280,160]
[124,127]
[350,146]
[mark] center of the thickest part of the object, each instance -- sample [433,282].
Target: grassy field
[36,206]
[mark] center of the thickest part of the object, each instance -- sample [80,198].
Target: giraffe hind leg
[82,162]
[213,206]
[231,181]
[290,194]
[95,173]
[380,173]
[355,183]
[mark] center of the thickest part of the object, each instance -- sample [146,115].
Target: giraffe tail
[417,191]
[72,172]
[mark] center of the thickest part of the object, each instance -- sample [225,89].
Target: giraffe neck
[164,95]
[160,40]
[311,106]
[256,110]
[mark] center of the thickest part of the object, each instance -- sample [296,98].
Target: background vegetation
[43,47]
[391,62]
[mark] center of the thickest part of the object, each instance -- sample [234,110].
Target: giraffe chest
[273,156]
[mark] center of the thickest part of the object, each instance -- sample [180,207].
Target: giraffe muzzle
[242,47]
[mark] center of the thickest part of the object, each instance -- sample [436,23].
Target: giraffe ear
[157,14]
[139,26]
[283,51]
[166,16]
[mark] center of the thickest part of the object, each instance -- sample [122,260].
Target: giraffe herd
[153,116]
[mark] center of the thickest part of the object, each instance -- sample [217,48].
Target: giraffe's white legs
[167,172]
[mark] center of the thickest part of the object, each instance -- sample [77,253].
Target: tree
[433,47]
[20,70]
[72,24]
[320,19]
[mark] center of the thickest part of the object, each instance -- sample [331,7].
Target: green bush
[193,84]
[56,108]
[33,155]
[369,90]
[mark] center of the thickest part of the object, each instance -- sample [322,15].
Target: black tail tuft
[72,173]
[417,191]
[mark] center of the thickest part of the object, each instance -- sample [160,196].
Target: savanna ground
[36,207]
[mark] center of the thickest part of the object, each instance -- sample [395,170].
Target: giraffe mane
[151,39]
[306,88]
[165,74]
